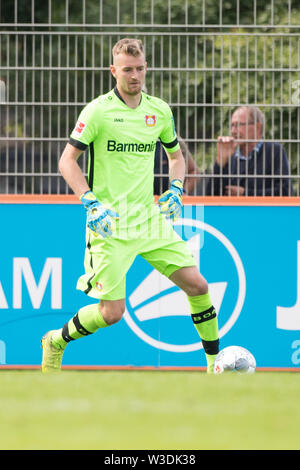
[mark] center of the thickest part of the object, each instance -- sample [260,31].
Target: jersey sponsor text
[114,146]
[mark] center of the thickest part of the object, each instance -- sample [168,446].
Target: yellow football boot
[52,356]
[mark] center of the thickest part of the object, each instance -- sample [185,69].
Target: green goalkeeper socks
[86,321]
[206,323]
[89,319]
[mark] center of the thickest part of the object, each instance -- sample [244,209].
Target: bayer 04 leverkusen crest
[150,120]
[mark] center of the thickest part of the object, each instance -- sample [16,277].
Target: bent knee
[112,311]
[199,287]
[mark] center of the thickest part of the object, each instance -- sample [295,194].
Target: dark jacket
[270,160]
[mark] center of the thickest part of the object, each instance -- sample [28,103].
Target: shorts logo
[79,128]
[99,286]
[150,121]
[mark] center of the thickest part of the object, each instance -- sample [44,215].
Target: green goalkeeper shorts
[107,260]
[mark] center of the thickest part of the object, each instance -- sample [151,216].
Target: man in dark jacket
[245,164]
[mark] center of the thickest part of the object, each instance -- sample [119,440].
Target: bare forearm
[177,166]
[225,149]
[71,171]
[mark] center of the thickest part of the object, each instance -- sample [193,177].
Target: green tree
[204,59]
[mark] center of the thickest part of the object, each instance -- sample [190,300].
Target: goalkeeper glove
[99,219]
[170,202]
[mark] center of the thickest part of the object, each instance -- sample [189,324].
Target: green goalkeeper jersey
[122,143]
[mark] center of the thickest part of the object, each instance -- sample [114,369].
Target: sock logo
[204,316]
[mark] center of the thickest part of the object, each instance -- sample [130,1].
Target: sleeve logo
[79,128]
[150,120]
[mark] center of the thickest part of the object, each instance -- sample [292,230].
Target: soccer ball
[234,359]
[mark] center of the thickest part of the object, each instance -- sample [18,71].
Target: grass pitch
[171,410]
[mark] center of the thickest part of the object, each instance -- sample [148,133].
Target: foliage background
[205,58]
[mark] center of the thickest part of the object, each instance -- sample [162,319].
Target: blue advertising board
[250,256]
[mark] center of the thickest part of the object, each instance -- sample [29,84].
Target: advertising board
[249,254]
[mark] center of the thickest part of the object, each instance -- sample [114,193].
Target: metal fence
[205,60]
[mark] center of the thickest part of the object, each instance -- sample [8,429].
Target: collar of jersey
[120,97]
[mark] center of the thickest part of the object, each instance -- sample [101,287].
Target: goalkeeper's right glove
[99,219]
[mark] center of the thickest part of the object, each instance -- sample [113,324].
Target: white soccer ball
[234,359]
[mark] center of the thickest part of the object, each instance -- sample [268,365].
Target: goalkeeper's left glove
[170,202]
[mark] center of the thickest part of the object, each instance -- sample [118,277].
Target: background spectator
[161,166]
[244,154]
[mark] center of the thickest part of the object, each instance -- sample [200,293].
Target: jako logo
[156,298]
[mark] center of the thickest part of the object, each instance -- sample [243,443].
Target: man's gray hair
[255,115]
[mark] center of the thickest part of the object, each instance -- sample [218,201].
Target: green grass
[117,410]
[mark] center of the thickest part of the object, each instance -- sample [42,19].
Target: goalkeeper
[121,129]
